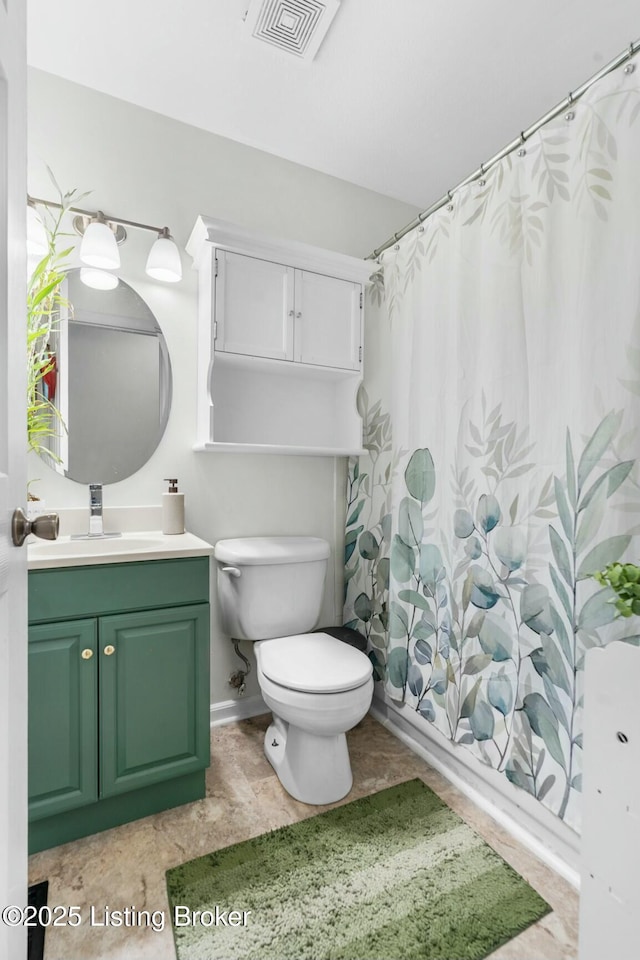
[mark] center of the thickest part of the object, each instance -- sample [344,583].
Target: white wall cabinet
[279,345]
[267,309]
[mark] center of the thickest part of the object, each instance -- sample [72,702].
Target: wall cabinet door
[253,306]
[327,321]
[154,680]
[266,309]
[63,716]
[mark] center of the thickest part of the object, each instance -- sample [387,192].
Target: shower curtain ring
[523,139]
[630,67]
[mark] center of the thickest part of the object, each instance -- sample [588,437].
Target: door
[13,562]
[327,321]
[254,306]
[610,842]
[154,708]
[63,716]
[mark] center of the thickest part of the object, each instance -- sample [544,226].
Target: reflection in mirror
[113,385]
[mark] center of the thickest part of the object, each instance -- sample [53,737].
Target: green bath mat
[394,876]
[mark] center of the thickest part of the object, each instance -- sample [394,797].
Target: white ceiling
[405,97]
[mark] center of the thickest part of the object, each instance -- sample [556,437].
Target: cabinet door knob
[291,313]
[87,654]
[108,650]
[298,314]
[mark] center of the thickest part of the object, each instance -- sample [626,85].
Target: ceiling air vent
[296,26]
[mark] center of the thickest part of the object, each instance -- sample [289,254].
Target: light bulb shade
[163,262]
[99,247]
[98,279]
[37,243]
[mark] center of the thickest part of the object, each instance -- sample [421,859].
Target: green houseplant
[624,580]
[44,305]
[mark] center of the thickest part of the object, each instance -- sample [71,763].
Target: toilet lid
[313,663]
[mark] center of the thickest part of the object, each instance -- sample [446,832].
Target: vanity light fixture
[99,247]
[163,262]
[101,237]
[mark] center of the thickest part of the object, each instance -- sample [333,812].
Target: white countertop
[133,545]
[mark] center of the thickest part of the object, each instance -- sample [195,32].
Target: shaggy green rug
[394,876]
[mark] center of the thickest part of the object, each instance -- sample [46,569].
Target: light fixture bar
[101,235]
[92,213]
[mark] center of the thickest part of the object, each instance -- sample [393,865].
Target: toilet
[317,687]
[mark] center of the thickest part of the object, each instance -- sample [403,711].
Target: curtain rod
[518,142]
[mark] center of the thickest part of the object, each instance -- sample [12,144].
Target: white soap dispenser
[172,509]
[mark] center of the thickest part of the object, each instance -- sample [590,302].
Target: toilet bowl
[318,688]
[302,679]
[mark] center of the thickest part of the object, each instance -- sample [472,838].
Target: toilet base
[312,769]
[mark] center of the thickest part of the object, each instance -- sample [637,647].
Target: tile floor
[126,865]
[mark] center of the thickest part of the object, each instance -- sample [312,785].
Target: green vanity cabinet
[118,702]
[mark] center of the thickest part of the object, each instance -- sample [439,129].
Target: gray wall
[146,167]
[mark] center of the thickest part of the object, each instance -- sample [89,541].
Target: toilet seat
[313,663]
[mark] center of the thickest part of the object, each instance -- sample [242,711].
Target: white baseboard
[531,824]
[228,711]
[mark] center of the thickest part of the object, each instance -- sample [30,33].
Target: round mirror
[113,385]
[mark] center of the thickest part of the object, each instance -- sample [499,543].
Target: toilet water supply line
[237,679]
[517,144]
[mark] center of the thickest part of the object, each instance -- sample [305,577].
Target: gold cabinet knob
[87,654]
[108,650]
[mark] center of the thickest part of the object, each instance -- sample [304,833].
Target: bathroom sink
[69,548]
[145,545]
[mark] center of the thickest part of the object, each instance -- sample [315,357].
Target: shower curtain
[501,406]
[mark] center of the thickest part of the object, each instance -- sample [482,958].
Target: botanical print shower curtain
[501,409]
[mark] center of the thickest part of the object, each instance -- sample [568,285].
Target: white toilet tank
[270,586]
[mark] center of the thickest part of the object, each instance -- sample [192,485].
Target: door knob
[108,650]
[86,654]
[45,526]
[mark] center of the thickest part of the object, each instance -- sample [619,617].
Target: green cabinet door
[154,705]
[63,705]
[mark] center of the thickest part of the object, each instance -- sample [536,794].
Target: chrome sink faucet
[96,526]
